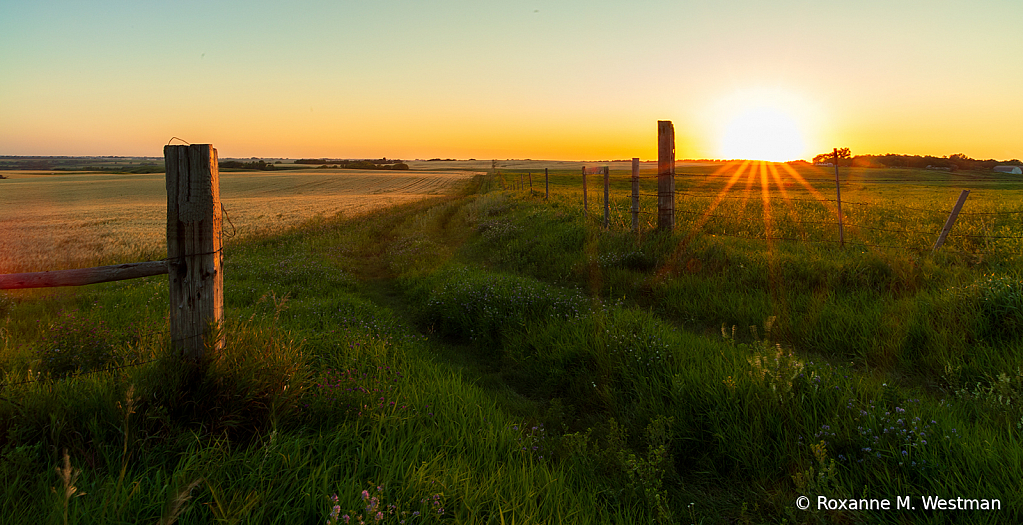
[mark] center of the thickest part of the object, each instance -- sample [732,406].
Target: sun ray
[777,298]
[713,176]
[721,194]
[702,219]
[748,191]
[828,203]
[765,197]
[789,208]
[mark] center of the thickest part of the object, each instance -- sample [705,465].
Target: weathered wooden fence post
[194,256]
[546,185]
[607,196]
[586,208]
[635,194]
[665,175]
[838,194]
[530,174]
[951,219]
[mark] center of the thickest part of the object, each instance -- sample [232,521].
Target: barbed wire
[864,226]
[990,236]
[82,373]
[758,195]
[772,238]
[1014,212]
[624,208]
[615,176]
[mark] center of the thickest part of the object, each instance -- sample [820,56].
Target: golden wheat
[73,220]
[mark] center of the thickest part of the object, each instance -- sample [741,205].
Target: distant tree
[843,153]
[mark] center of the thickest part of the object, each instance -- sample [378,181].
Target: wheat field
[53,221]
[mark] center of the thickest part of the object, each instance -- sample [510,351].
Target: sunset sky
[566,80]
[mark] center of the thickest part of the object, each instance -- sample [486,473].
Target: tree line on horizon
[958,161]
[361,164]
[254,165]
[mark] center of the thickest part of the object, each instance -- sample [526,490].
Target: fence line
[756,196]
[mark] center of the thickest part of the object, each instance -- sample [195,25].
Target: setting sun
[762,134]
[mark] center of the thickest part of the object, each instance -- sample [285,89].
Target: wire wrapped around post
[194,249]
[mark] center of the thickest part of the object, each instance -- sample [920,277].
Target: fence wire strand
[623,210]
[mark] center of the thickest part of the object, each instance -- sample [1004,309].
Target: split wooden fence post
[951,219]
[635,194]
[665,175]
[194,257]
[607,196]
[838,195]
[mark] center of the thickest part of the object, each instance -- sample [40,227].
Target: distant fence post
[194,256]
[635,194]
[838,194]
[951,219]
[607,196]
[665,175]
[586,207]
[546,185]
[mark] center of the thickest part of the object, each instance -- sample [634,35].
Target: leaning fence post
[665,175]
[607,197]
[951,219]
[635,194]
[194,256]
[546,185]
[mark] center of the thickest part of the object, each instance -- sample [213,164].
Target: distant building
[1015,170]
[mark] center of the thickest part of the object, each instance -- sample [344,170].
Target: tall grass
[495,358]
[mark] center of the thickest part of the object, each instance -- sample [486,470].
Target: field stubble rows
[56,221]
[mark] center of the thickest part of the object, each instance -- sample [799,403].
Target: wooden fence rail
[83,276]
[194,253]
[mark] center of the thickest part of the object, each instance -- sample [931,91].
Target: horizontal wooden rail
[98,274]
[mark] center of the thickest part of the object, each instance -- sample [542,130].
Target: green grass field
[492,357]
